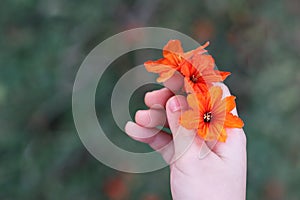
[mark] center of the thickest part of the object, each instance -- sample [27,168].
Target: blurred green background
[43,43]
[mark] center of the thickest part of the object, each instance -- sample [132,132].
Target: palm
[210,177]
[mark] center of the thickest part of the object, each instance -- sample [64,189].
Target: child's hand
[205,170]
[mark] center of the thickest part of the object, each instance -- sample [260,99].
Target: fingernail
[174,105]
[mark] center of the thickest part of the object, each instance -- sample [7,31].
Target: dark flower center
[207,117]
[194,78]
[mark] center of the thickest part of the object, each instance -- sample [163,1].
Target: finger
[150,118]
[185,141]
[235,146]
[158,140]
[157,99]
[175,83]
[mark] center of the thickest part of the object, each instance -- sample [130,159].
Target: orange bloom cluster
[209,113]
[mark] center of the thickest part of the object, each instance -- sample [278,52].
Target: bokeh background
[43,43]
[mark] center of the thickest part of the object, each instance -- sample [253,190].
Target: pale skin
[203,170]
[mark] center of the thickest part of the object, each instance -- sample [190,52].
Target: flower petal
[225,106]
[164,76]
[158,66]
[215,75]
[173,46]
[230,103]
[198,102]
[161,67]
[223,74]
[214,131]
[190,87]
[173,52]
[186,69]
[203,61]
[199,50]
[190,119]
[203,130]
[215,94]
[223,136]
[193,101]
[233,121]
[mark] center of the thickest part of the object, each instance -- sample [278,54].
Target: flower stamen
[207,117]
[194,78]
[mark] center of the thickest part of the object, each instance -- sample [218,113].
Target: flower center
[194,78]
[207,117]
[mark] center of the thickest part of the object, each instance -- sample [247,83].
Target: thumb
[175,106]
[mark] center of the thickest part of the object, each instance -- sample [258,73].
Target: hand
[202,170]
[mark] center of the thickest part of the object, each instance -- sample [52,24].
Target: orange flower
[210,114]
[174,57]
[199,73]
